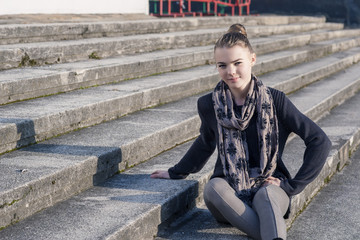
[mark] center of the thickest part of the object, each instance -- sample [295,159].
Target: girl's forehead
[232,53]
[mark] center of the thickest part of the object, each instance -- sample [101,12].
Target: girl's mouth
[233,79]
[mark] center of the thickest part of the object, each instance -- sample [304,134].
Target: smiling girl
[249,124]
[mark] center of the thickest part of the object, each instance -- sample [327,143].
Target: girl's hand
[272,180]
[160,174]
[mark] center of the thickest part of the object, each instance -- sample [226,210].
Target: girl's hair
[236,35]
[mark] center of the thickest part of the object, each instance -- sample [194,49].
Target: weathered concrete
[39,176]
[32,54]
[306,73]
[27,122]
[93,154]
[26,83]
[111,26]
[131,205]
[334,212]
[333,90]
[342,127]
[128,206]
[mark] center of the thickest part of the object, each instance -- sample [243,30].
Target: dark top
[290,119]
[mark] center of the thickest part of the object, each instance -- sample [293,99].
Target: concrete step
[130,205]
[24,123]
[334,212]
[34,54]
[41,175]
[27,83]
[25,33]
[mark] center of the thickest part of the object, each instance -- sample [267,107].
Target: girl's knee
[262,194]
[270,192]
[214,186]
[217,188]
[274,195]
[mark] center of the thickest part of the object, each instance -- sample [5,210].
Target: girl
[249,124]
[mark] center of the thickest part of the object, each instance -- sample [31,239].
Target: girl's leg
[225,206]
[271,204]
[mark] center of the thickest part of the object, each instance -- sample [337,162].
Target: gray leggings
[263,221]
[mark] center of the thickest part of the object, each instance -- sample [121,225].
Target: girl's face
[234,66]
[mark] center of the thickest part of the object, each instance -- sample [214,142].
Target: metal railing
[182,8]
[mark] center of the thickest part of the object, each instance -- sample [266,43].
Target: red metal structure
[211,7]
[243,3]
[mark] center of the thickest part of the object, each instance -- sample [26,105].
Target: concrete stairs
[80,137]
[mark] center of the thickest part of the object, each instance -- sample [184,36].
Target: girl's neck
[239,101]
[239,95]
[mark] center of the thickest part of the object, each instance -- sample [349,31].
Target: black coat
[290,119]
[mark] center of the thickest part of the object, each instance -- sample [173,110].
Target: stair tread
[25,83]
[316,92]
[80,99]
[11,33]
[131,196]
[221,30]
[100,135]
[41,53]
[67,101]
[86,150]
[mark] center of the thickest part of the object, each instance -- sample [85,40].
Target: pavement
[334,213]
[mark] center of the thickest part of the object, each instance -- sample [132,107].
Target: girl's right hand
[160,174]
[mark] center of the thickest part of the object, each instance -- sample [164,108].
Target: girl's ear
[253,59]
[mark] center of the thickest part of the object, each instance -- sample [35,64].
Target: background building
[73,6]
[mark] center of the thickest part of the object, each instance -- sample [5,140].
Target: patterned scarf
[232,143]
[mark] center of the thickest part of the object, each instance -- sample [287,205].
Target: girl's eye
[237,63]
[222,66]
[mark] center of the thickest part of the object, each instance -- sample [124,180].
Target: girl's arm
[202,148]
[317,146]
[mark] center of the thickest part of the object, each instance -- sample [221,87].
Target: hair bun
[238,28]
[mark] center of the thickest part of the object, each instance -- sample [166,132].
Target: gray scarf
[232,143]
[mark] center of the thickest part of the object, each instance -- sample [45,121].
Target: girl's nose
[231,70]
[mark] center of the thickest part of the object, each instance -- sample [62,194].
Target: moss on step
[27,61]
[94,55]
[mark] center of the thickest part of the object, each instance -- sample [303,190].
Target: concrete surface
[128,206]
[113,146]
[334,214]
[131,205]
[63,166]
[50,172]
[27,122]
[40,28]
[35,54]
[25,83]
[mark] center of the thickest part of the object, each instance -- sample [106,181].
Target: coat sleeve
[202,148]
[316,141]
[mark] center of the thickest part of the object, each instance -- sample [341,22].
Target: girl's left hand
[272,180]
